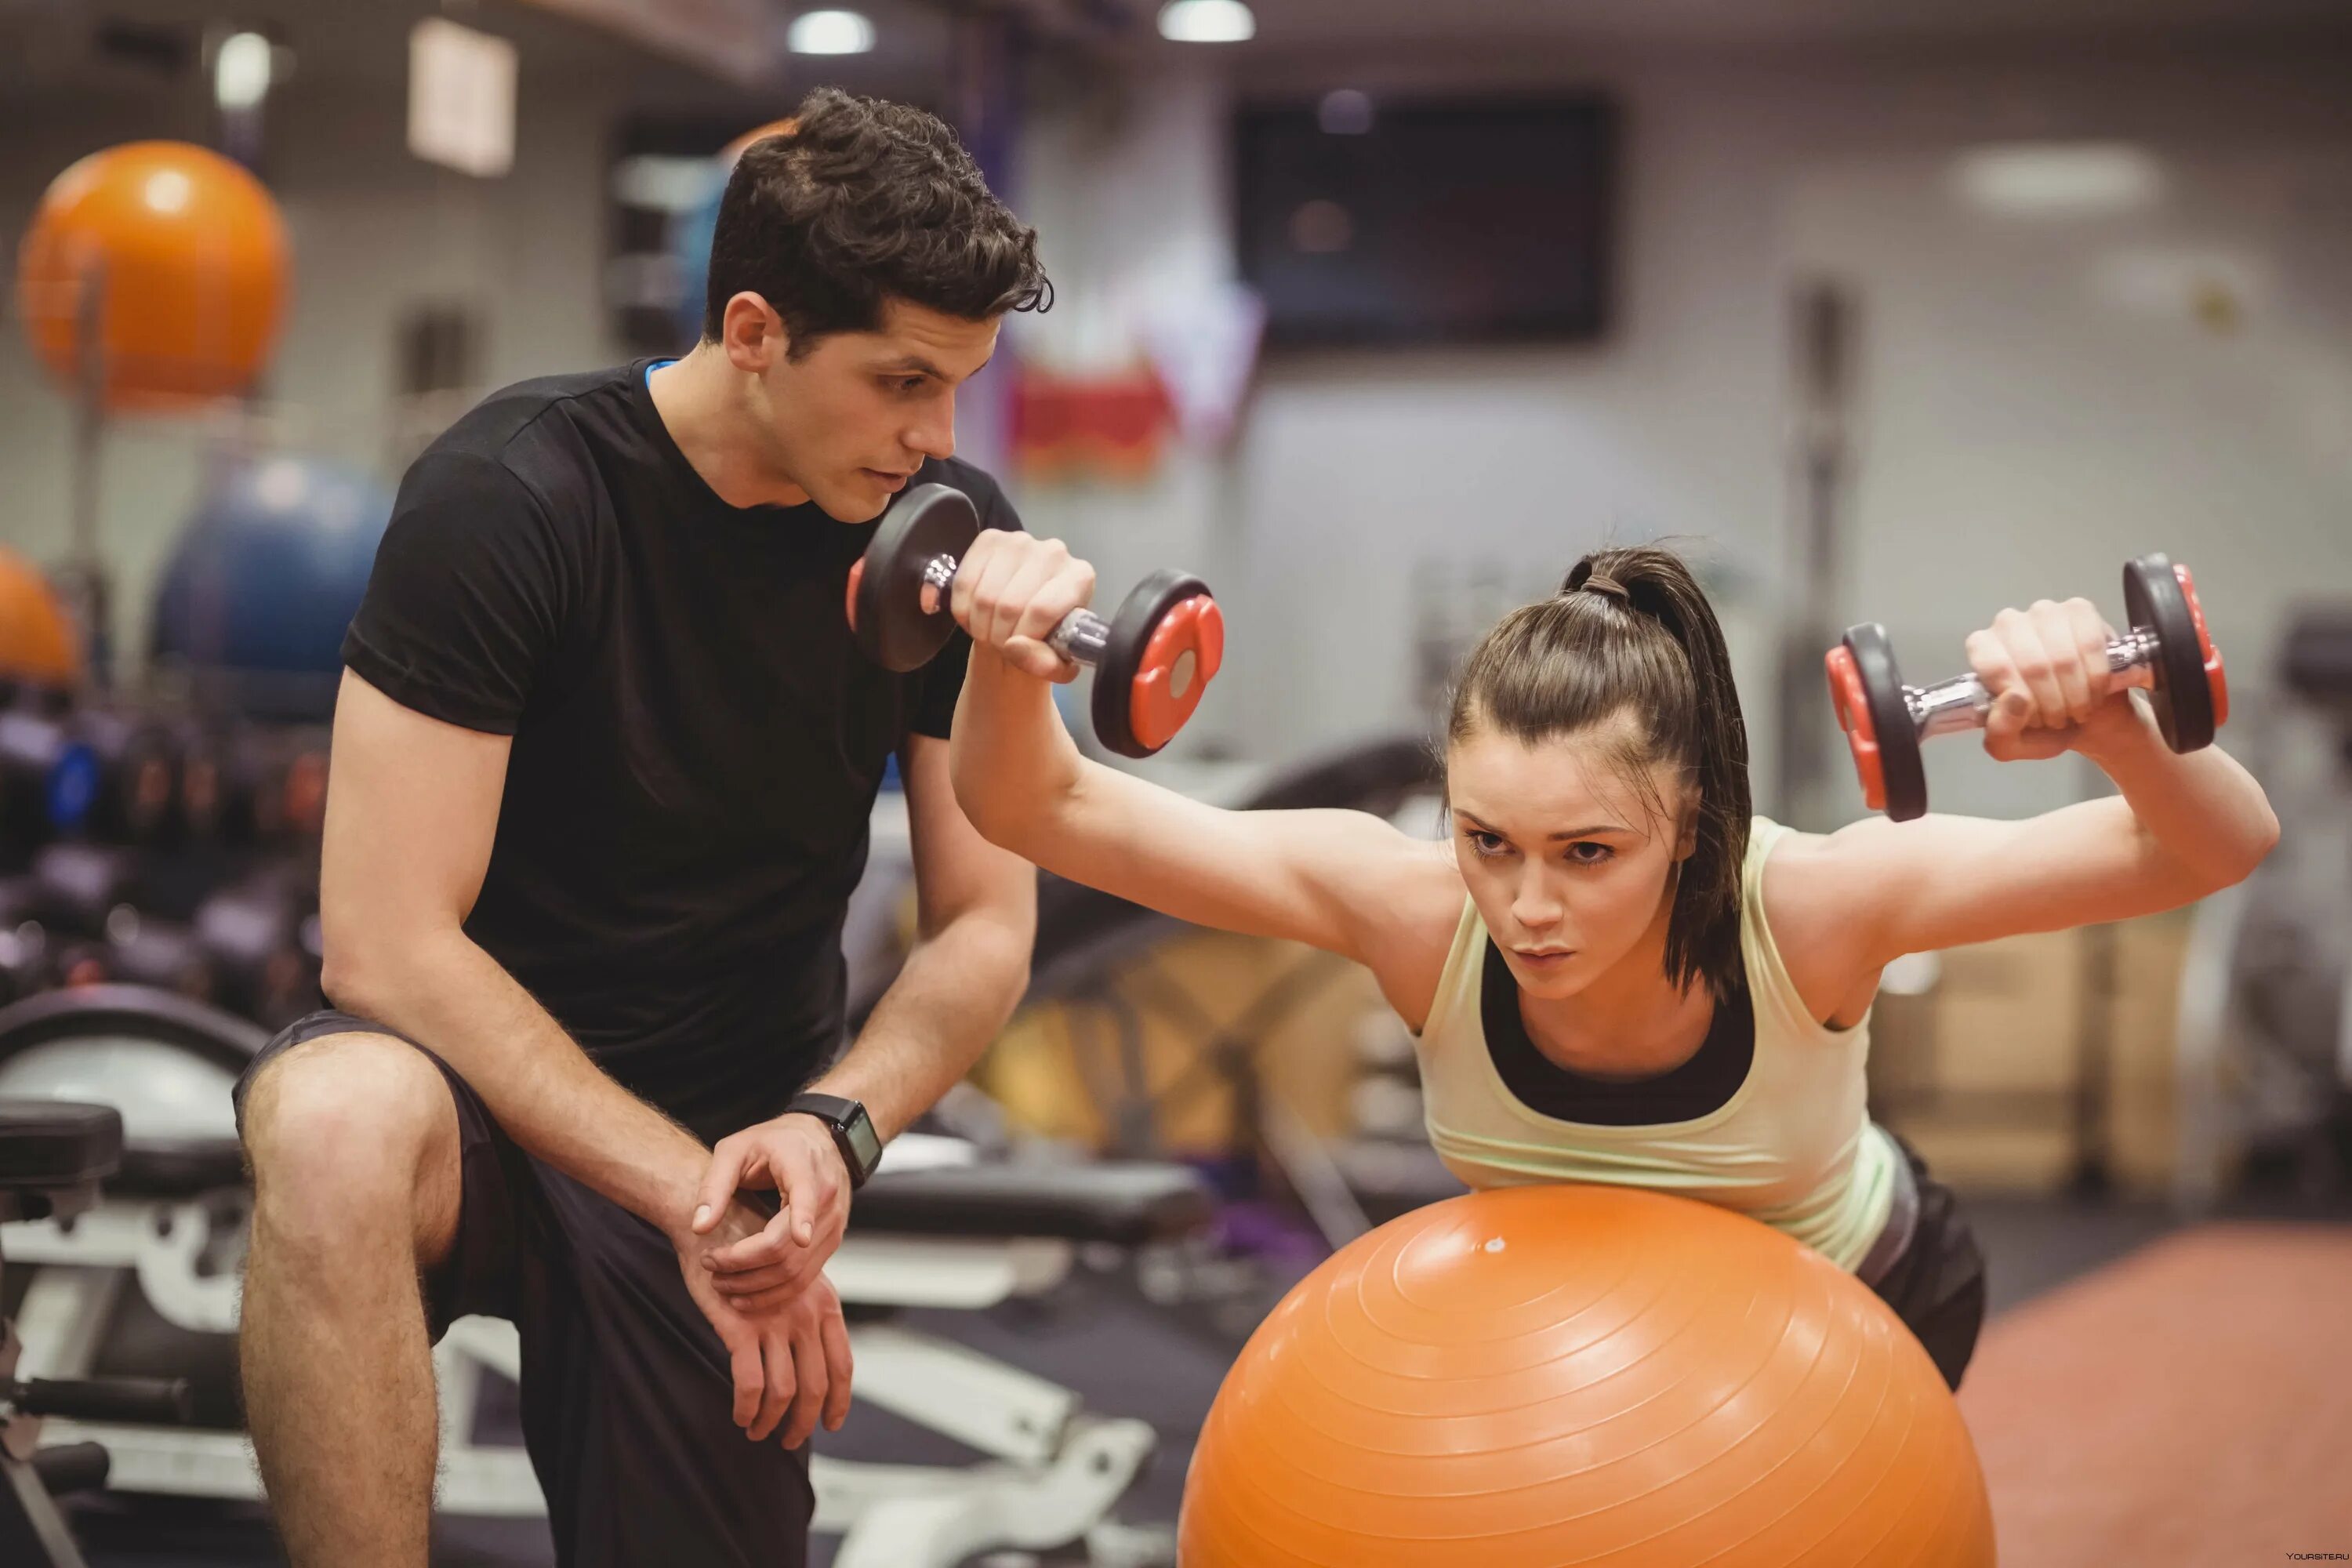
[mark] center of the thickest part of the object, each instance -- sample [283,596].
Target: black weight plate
[2183,699]
[892,630]
[1139,614]
[1900,768]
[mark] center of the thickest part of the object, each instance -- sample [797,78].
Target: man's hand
[791,1358]
[795,1155]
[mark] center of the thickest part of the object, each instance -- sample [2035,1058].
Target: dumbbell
[33,742]
[27,965]
[105,774]
[240,784]
[224,798]
[295,779]
[253,933]
[117,779]
[140,949]
[1151,661]
[79,885]
[2167,651]
[35,695]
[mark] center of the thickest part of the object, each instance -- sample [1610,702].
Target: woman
[1614,973]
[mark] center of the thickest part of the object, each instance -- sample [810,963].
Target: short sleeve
[940,683]
[466,604]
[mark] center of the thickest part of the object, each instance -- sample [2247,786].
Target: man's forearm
[955,993]
[449,995]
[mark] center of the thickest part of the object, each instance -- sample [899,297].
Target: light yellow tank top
[1793,1147]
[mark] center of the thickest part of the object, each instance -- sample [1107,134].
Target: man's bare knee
[345,1129]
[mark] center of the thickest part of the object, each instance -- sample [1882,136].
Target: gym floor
[1126,1358]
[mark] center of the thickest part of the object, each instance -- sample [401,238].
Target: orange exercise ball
[186,255]
[1536,1377]
[37,640]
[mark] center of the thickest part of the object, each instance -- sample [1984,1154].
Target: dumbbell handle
[1963,704]
[1081,636]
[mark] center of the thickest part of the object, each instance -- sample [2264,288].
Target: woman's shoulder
[1799,889]
[1427,912]
[1791,877]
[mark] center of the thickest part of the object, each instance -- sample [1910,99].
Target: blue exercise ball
[692,228]
[266,575]
[690,233]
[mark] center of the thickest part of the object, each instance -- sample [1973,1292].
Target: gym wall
[2151,426]
[374,234]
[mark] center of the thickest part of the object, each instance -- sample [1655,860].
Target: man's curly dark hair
[862,202]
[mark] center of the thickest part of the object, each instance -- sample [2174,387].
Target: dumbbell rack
[145,844]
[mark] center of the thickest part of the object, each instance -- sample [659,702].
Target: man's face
[852,420]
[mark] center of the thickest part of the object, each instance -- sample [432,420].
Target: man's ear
[753,335]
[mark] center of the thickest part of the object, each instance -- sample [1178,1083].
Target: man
[603,760]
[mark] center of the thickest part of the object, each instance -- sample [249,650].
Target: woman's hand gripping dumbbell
[2057,667]
[929,567]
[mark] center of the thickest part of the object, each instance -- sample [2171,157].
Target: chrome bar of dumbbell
[1963,704]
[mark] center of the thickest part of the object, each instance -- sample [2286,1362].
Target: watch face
[862,1141]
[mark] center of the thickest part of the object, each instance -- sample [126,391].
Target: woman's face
[1567,861]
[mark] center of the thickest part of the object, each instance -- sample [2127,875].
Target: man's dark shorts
[626,1398]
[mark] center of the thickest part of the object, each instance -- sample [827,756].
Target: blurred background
[1376,315]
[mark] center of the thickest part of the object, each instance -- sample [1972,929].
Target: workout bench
[934,1229]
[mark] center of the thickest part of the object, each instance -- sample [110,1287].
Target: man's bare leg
[355,1148]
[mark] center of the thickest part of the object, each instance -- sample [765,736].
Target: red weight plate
[2215,676]
[1156,709]
[1854,718]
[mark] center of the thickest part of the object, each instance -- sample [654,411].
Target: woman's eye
[1588,853]
[1486,844]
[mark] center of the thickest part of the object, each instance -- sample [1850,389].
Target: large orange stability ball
[1541,1377]
[185,253]
[37,640]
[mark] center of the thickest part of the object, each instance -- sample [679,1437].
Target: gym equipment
[1152,661]
[692,230]
[38,645]
[53,1155]
[1535,1375]
[268,570]
[26,968]
[25,964]
[252,935]
[149,1281]
[2167,651]
[109,773]
[1136,1043]
[34,749]
[117,779]
[2265,1036]
[243,785]
[154,271]
[81,884]
[141,950]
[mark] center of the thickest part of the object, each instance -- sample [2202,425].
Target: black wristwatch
[852,1130]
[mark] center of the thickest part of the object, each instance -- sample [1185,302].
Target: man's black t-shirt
[697,743]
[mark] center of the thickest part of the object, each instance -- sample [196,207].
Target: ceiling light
[1207,22]
[830,33]
[241,70]
[2058,179]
